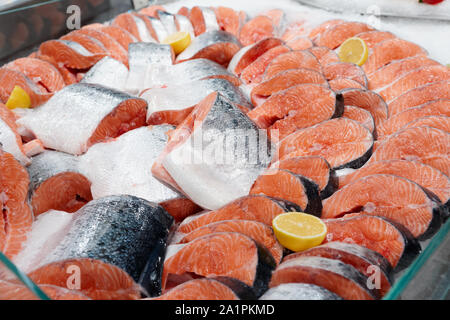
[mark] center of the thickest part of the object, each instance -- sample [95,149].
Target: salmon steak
[228,254]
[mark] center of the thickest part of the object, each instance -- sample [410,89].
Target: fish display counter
[195,150]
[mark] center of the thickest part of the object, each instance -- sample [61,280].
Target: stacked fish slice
[121,170]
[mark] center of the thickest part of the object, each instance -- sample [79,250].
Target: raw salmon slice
[424,144]
[254,207]
[10,139]
[151,10]
[438,122]
[184,11]
[335,35]
[218,46]
[11,78]
[56,123]
[228,254]
[339,84]
[427,177]
[360,115]
[345,70]
[151,29]
[278,18]
[420,95]
[258,231]
[300,43]
[69,53]
[334,275]
[56,183]
[207,289]
[292,60]
[315,168]
[323,27]
[285,80]
[114,49]
[294,30]
[389,50]
[122,36]
[228,20]
[298,107]
[203,19]
[391,240]
[247,55]
[389,73]
[40,72]
[127,22]
[361,258]
[15,291]
[67,74]
[414,79]
[15,222]
[99,280]
[369,101]
[324,55]
[91,44]
[396,198]
[256,29]
[396,122]
[372,38]
[343,142]
[255,71]
[286,185]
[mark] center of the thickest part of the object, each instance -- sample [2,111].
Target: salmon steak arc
[390,196]
[200,168]
[57,183]
[228,254]
[82,114]
[123,231]
[343,142]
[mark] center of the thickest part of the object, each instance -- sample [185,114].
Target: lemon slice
[299,231]
[179,41]
[354,50]
[18,98]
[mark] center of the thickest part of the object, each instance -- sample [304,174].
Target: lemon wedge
[354,50]
[299,231]
[178,41]
[18,98]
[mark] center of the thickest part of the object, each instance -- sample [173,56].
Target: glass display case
[25,24]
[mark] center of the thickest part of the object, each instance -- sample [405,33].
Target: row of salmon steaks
[94,174]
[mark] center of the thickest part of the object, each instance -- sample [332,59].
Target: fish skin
[57,123]
[168,20]
[299,291]
[175,98]
[187,71]
[124,231]
[158,28]
[10,140]
[207,39]
[108,72]
[142,59]
[234,180]
[142,28]
[184,25]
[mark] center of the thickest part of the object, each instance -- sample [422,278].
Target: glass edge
[418,263]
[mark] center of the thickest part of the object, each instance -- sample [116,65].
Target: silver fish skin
[159,28]
[206,39]
[184,24]
[108,72]
[49,164]
[77,47]
[123,166]
[122,230]
[184,72]
[175,97]
[320,264]
[220,160]
[209,16]
[299,291]
[70,117]
[9,143]
[143,58]
[237,57]
[168,20]
[142,29]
